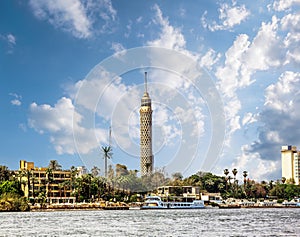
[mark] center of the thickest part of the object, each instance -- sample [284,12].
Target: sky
[223,76]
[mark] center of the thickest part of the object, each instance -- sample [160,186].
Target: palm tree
[283,179]
[27,174]
[53,164]
[95,171]
[226,172]
[49,177]
[245,174]
[74,173]
[33,181]
[22,182]
[4,173]
[60,187]
[209,185]
[107,154]
[234,172]
[66,186]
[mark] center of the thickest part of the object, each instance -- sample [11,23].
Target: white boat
[155,202]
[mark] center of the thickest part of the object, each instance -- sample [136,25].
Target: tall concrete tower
[146,133]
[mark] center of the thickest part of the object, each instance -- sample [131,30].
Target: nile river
[205,222]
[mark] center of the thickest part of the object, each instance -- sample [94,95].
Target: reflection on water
[204,222]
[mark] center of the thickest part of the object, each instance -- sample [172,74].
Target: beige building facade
[54,184]
[290,163]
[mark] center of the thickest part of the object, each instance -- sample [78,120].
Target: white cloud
[117,47]
[242,60]
[11,39]
[282,95]
[16,102]
[262,56]
[209,59]
[291,24]
[17,99]
[74,16]
[229,17]
[169,37]
[280,117]
[282,5]
[60,121]
[69,15]
[257,168]
[139,19]
[248,119]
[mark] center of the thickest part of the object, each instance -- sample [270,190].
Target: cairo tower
[146,133]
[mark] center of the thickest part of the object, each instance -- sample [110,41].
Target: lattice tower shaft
[146,136]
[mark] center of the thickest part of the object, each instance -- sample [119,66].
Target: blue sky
[61,90]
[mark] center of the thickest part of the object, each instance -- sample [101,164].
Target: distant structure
[290,163]
[81,170]
[146,133]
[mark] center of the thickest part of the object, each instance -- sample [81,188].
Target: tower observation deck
[146,133]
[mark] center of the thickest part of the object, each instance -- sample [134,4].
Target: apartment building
[290,163]
[54,185]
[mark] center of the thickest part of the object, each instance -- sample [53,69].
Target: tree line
[121,184]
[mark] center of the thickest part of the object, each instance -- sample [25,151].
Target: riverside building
[55,184]
[146,133]
[290,163]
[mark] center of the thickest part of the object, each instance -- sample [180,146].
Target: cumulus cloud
[209,59]
[169,37]
[282,5]
[229,16]
[248,119]
[280,117]
[291,24]
[60,122]
[257,168]
[262,56]
[74,16]
[242,60]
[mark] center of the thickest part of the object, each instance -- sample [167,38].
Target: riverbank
[81,206]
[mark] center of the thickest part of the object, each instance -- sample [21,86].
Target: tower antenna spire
[145,82]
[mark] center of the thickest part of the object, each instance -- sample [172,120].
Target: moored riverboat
[155,202]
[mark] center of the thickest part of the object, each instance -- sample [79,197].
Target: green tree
[121,170]
[245,174]
[13,202]
[226,172]
[28,175]
[10,187]
[107,154]
[4,173]
[49,180]
[95,171]
[54,165]
[74,173]
[235,184]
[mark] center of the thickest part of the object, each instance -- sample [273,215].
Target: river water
[201,222]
